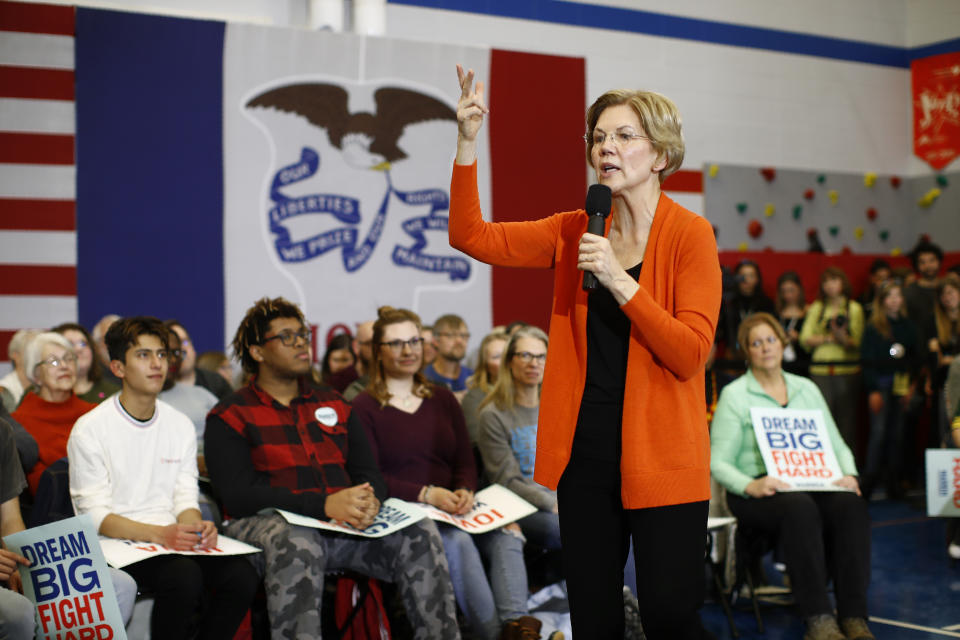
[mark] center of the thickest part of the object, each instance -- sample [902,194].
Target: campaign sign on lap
[119,553]
[493,507]
[69,581]
[796,448]
[394,515]
[943,482]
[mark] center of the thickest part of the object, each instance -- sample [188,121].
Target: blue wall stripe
[150,169]
[659,24]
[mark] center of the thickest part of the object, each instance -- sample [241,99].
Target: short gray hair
[34,351]
[20,339]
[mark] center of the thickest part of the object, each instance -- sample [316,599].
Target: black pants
[668,546]
[820,535]
[178,584]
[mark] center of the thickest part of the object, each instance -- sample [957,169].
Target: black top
[601,410]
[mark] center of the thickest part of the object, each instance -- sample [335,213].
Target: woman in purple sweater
[418,436]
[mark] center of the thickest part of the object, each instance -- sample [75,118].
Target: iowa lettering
[481,519]
[157,548]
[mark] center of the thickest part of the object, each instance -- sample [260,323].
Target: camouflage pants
[295,559]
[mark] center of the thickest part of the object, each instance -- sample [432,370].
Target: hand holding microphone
[599,201]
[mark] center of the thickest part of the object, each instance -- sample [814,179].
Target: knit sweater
[49,423]
[673,317]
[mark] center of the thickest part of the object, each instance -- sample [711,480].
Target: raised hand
[471,106]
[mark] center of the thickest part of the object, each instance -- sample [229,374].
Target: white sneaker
[954,550]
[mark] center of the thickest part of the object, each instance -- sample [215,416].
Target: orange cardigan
[666,447]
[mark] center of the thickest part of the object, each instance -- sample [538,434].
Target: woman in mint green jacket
[806,524]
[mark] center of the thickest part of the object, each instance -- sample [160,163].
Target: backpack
[359,610]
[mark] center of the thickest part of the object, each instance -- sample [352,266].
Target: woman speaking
[622,430]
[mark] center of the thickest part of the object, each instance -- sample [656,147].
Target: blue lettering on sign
[347,210]
[49,582]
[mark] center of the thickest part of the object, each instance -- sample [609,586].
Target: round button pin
[326,416]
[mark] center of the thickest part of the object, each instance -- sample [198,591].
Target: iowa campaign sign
[69,581]
[493,507]
[796,448]
[943,482]
[120,553]
[394,515]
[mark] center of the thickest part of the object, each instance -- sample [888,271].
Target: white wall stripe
[36,50]
[38,181]
[38,247]
[37,116]
[18,312]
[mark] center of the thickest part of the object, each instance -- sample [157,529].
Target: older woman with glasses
[92,385]
[418,436]
[622,432]
[49,410]
[820,534]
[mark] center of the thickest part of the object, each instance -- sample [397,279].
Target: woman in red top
[622,429]
[50,408]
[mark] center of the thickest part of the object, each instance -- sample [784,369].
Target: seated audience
[133,469]
[420,442]
[362,345]
[217,362]
[832,333]
[100,347]
[508,433]
[17,613]
[191,400]
[791,310]
[26,445]
[282,443]
[49,411]
[190,373]
[91,385]
[821,534]
[891,360]
[429,346]
[15,383]
[482,380]
[338,368]
[451,336]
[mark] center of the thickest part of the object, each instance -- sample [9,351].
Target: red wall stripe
[37,18]
[36,148]
[18,214]
[533,175]
[684,181]
[34,83]
[37,280]
[5,337]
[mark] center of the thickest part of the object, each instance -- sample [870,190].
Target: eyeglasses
[526,357]
[620,138]
[56,361]
[396,346]
[289,338]
[756,344]
[463,335]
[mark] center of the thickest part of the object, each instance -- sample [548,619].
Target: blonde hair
[503,393]
[940,315]
[659,118]
[377,386]
[481,377]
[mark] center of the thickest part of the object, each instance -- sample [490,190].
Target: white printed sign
[68,580]
[943,482]
[119,553]
[493,507]
[394,515]
[796,448]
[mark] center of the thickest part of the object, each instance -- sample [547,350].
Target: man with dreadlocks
[281,442]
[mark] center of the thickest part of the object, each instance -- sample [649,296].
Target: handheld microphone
[599,201]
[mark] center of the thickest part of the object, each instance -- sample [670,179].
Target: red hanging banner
[936,109]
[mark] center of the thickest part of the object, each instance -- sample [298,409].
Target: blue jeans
[486,599]
[542,528]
